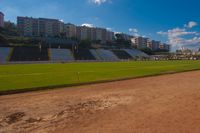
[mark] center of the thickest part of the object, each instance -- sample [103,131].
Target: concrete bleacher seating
[121,54]
[107,55]
[95,54]
[83,54]
[4,54]
[21,54]
[61,55]
[140,53]
[29,54]
[136,53]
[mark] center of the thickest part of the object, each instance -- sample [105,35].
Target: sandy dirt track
[162,104]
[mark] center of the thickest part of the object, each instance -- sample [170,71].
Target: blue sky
[172,21]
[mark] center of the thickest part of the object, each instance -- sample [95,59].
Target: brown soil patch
[162,104]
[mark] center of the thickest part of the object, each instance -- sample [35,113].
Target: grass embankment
[36,76]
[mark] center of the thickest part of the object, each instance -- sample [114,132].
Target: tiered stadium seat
[136,53]
[121,54]
[83,54]
[61,55]
[29,54]
[141,54]
[4,54]
[95,54]
[107,55]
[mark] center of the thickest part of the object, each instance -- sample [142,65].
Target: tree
[121,42]
[3,40]
[147,51]
[9,29]
[85,44]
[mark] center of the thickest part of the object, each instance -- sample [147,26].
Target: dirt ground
[162,104]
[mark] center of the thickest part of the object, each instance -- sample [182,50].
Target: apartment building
[98,34]
[154,45]
[104,34]
[1,19]
[140,42]
[167,47]
[84,33]
[150,43]
[110,36]
[28,26]
[93,34]
[35,27]
[70,30]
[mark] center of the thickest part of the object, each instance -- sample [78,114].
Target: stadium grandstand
[40,54]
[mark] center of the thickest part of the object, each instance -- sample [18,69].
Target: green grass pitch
[27,76]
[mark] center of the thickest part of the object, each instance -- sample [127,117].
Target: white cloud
[195,40]
[11,13]
[177,32]
[179,37]
[191,24]
[134,31]
[109,29]
[98,2]
[88,25]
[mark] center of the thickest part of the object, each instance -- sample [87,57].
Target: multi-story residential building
[99,34]
[84,32]
[28,26]
[104,36]
[152,44]
[167,47]
[25,26]
[70,30]
[110,36]
[162,46]
[140,42]
[1,19]
[156,45]
[93,34]
[50,27]
[78,32]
